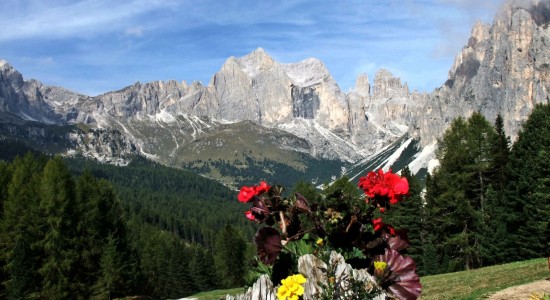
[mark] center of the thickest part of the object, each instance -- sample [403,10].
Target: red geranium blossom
[248,192]
[384,185]
[262,188]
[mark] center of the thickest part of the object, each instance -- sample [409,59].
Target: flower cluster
[383,187]
[338,221]
[291,287]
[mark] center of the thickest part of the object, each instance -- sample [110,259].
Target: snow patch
[27,117]
[395,155]
[425,159]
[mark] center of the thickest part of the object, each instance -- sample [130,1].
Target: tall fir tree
[528,207]
[58,206]
[460,184]
[230,257]
[111,281]
[21,229]
[494,237]
[500,153]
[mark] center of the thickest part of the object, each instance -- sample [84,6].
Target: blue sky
[102,45]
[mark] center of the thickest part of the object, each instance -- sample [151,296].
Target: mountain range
[258,118]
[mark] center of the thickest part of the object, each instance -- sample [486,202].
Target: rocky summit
[504,69]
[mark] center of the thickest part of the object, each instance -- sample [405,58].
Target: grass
[216,294]
[473,284]
[479,283]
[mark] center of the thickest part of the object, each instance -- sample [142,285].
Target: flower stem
[283,223]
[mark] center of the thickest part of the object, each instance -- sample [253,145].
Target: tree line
[65,236]
[488,202]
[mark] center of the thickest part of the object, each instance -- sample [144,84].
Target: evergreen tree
[202,270]
[180,283]
[58,206]
[500,152]
[21,228]
[230,257]
[457,207]
[528,207]
[112,278]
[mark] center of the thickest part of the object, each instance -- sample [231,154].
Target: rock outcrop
[504,69]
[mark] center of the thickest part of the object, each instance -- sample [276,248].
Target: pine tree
[528,207]
[58,206]
[111,279]
[457,198]
[202,269]
[180,283]
[500,153]
[21,228]
[230,257]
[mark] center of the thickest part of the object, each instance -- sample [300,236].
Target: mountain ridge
[503,69]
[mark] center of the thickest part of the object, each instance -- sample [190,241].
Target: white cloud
[70,19]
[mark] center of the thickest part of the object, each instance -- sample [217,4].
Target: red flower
[377,224]
[249,215]
[387,185]
[262,188]
[246,194]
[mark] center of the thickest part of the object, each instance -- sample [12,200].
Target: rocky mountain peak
[4,64]
[256,62]
[539,10]
[307,72]
[388,86]
[362,85]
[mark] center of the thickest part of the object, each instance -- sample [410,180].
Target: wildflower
[291,287]
[319,242]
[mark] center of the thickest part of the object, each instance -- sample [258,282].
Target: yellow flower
[291,287]
[380,265]
[379,268]
[319,242]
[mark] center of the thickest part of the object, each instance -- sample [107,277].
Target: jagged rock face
[257,88]
[503,69]
[23,98]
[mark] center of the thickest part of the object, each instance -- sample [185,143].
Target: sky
[96,46]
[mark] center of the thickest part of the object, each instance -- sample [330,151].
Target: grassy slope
[477,283]
[473,284]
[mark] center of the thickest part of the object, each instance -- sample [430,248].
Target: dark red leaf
[268,243]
